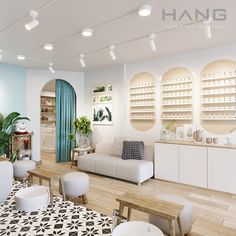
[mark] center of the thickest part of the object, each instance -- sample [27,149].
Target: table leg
[62,188]
[121,211]
[30,180]
[40,181]
[51,194]
[172,227]
[180,227]
[129,213]
[72,159]
[85,199]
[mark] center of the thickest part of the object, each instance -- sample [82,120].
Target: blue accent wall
[13,85]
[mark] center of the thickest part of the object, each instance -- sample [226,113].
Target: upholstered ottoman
[32,198]
[75,184]
[21,167]
[185,216]
[6,179]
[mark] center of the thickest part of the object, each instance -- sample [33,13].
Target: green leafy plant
[7,128]
[170,125]
[83,125]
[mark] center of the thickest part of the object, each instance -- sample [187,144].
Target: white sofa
[6,179]
[102,162]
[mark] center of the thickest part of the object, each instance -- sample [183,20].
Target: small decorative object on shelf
[177,95]
[165,131]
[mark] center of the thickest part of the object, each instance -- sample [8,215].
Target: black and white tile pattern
[63,219]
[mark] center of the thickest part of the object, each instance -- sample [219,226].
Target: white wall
[36,79]
[111,75]
[195,61]
[120,77]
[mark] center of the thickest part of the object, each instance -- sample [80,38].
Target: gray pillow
[133,150]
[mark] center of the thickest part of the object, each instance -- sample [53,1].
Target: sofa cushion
[117,147]
[133,150]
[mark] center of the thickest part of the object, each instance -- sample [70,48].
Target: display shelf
[219,102]
[215,94]
[177,94]
[177,89]
[214,110]
[142,93]
[142,118]
[218,85]
[143,111]
[143,86]
[177,82]
[220,119]
[218,78]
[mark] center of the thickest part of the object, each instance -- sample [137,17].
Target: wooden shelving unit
[48,110]
[176,87]
[142,100]
[218,96]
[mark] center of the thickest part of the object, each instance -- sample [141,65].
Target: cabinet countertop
[192,143]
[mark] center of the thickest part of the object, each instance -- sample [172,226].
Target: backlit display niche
[177,96]
[218,96]
[142,101]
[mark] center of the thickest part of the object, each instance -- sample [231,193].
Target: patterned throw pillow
[133,150]
[117,146]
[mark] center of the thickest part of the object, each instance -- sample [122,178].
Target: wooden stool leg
[129,213]
[51,194]
[172,227]
[180,227]
[62,188]
[40,181]
[85,199]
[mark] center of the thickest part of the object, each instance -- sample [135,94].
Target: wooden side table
[80,151]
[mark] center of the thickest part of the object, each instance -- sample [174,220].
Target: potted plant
[7,126]
[83,131]
[165,131]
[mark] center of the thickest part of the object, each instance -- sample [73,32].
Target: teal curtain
[65,116]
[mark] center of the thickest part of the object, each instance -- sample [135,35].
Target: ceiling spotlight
[51,69]
[145,10]
[1,56]
[82,62]
[152,42]
[34,22]
[207,28]
[48,46]
[111,52]
[21,57]
[87,32]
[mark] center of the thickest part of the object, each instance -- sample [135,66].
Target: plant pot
[165,134]
[83,141]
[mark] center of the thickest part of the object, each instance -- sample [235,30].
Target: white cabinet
[166,162]
[193,165]
[222,169]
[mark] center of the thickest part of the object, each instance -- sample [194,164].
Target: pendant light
[152,42]
[145,10]
[51,69]
[111,52]
[82,62]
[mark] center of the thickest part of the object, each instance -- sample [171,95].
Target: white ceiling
[62,18]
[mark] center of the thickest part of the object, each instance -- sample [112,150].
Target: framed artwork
[102,114]
[179,133]
[188,131]
[102,104]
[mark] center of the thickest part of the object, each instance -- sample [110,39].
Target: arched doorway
[58,111]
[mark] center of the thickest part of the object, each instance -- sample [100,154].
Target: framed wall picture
[102,104]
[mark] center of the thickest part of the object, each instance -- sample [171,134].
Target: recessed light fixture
[51,69]
[48,46]
[111,52]
[34,22]
[207,28]
[152,42]
[81,59]
[145,10]
[1,56]
[87,32]
[21,57]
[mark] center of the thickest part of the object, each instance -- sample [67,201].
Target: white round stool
[21,167]
[75,184]
[32,198]
[136,228]
[185,216]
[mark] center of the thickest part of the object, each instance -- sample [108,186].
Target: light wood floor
[214,213]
